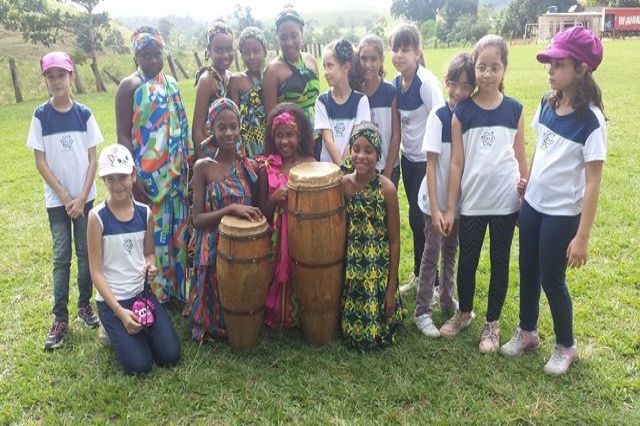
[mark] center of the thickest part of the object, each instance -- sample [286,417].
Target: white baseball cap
[115,159]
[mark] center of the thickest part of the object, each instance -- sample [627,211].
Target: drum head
[239,227]
[314,174]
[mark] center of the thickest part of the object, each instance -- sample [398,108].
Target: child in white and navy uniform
[432,199]
[562,194]
[63,136]
[340,108]
[418,92]
[368,77]
[488,143]
[121,252]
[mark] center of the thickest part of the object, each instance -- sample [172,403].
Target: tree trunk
[198,63]
[100,87]
[14,79]
[78,80]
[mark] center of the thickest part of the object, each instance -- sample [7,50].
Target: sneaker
[103,337]
[520,342]
[490,337]
[410,285]
[561,359]
[56,336]
[458,322]
[87,317]
[426,326]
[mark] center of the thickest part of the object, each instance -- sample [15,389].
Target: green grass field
[284,380]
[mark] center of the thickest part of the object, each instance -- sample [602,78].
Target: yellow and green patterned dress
[363,321]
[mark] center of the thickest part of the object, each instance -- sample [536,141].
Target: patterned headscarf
[140,40]
[218,27]
[284,118]
[220,105]
[370,132]
[289,14]
[252,32]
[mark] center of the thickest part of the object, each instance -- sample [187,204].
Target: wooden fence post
[172,66]
[14,79]
[195,55]
[78,80]
[113,78]
[181,68]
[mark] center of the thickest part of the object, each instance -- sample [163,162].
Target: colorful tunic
[281,309]
[302,88]
[220,83]
[162,149]
[363,320]
[252,119]
[205,309]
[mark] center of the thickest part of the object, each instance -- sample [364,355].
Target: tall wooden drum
[317,232]
[243,270]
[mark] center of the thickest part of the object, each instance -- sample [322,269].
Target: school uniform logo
[127,245]
[548,138]
[340,128]
[487,140]
[66,142]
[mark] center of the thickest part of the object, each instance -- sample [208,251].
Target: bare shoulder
[310,61]
[348,185]
[388,188]
[129,83]
[204,81]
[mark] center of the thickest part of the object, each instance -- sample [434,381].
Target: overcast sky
[262,9]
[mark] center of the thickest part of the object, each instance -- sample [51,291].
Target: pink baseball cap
[57,60]
[577,43]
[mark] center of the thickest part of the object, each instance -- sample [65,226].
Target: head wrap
[220,105]
[252,32]
[288,14]
[284,118]
[218,27]
[370,132]
[140,40]
[344,51]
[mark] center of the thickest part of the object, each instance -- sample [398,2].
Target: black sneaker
[87,317]
[56,336]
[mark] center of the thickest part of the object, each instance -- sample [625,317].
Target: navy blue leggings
[157,344]
[543,262]
[412,175]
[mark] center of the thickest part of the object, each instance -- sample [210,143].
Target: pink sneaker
[490,337]
[520,342]
[561,359]
[458,322]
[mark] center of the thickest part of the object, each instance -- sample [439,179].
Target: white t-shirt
[414,104]
[437,139]
[490,177]
[565,144]
[123,250]
[381,103]
[340,118]
[65,139]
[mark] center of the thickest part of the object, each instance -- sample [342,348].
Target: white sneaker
[410,285]
[561,359]
[520,342]
[426,326]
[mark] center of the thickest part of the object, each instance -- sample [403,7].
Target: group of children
[462,163]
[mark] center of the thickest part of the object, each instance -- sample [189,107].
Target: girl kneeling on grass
[121,254]
[371,308]
[562,195]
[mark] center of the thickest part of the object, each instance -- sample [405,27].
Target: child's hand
[437,220]
[389,304]
[150,270]
[75,208]
[280,196]
[129,320]
[522,186]
[577,252]
[246,212]
[447,223]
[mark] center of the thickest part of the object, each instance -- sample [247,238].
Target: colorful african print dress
[302,88]
[205,309]
[281,309]
[363,321]
[220,83]
[252,119]
[162,149]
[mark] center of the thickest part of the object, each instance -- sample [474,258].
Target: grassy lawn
[285,381]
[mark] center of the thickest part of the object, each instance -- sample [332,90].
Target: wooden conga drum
[243,269]
[317,232]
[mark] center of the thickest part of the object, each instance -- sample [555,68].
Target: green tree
[244,16]
[416,10]
[164,27]
[522,12]
[34,19]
